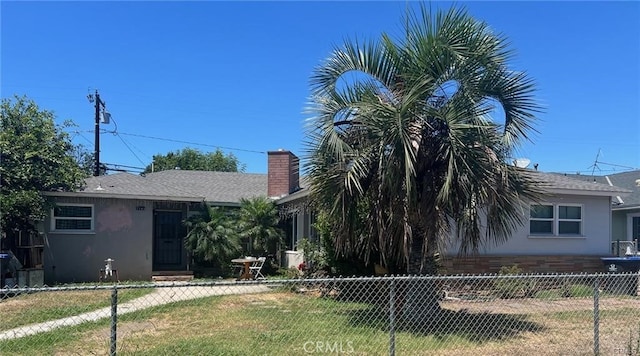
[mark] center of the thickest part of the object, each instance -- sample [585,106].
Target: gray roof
[217,187]
[572,183]
[626,180]
[231,187]
[177,185]
[551,182]
[127,185]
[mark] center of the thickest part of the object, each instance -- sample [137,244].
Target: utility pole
[99,104]
[96,171]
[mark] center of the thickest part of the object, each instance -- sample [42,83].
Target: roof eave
[223,203]
[300,194]
[587,192]
[622,208]
[124,196]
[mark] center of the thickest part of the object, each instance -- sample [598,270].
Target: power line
[129,148]
[192,143]
[115,132]
[173,140]
[122,168]
[78,133]
[122,165]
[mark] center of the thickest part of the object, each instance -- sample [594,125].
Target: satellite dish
[521,162]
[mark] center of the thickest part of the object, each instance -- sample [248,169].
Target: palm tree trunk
[420,305]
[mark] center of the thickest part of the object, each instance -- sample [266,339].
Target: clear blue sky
[236,74]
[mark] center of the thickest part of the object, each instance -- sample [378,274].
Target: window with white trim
[72,217]
[555,219]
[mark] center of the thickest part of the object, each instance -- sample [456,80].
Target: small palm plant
[258,223]
[211,236]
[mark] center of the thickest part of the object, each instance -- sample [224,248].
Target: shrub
[513,287]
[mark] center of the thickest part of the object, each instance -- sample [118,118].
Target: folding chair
[256,268]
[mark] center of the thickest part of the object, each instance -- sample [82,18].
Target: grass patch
[50,305]
[266,324]
[283,323]
[568,291]
[50,343]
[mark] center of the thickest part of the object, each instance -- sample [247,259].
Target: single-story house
[137,221]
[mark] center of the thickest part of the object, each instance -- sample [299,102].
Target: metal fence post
[114,320]
[596,316]
[392,317]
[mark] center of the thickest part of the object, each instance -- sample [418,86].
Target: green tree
[36,156]
[402,150]
[258,220]
[211,236]
[84,159]
[192,159]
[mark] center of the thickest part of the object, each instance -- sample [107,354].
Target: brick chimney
[283,173]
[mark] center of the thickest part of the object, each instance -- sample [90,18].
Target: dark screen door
[167,242]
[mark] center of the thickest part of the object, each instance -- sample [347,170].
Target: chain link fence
[443,315]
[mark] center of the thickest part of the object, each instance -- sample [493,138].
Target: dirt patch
[248,299]
[536,306]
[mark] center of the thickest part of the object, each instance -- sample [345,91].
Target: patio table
[246,262]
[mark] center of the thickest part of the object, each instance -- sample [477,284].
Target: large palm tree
[403,152]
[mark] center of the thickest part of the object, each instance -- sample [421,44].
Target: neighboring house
[626,209]
[137,220]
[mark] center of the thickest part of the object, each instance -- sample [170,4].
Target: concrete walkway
[160,296]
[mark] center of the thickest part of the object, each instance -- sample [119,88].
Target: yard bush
[507,287]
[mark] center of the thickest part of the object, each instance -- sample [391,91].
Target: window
[557,220]
[541,219]
[72,218]
[569,220]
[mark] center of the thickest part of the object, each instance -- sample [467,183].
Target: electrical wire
[129,148]
[115,132]
[178,141]
[192,143]
[78,133]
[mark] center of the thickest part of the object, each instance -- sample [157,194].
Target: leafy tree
[85,159]
[212,236]
[192,159]
[36,157]
[402,150]
[258,220]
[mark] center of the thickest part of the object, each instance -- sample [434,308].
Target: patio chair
[256,268]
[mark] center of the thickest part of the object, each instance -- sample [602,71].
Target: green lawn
[284,323]
[42,306]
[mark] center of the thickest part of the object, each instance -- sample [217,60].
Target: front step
[172,276]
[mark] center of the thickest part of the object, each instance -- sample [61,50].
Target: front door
[168,234]
[635,228]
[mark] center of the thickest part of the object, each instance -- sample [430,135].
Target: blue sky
[235,75]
